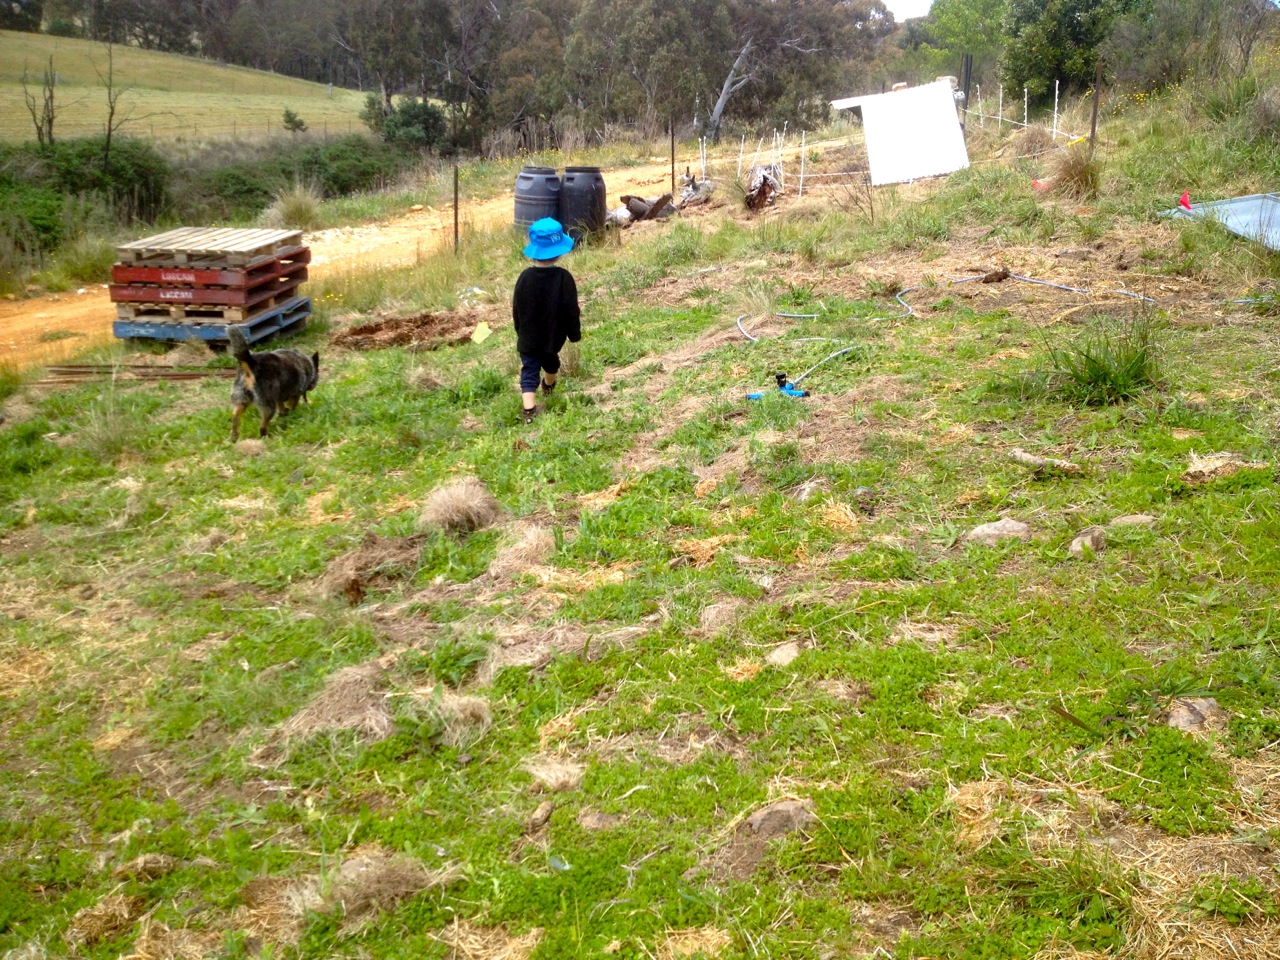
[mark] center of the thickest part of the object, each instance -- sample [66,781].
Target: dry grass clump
[274,907]
[421,380]
[571,360]
[695,941]
[149,866]
[250,448]
[461,506]
[159,942]
[295,208]
[1033,140]
[463,720]
[1215,466]
[703,551]
[1264,115]
[105,920]
[349,701]
[377,563]
[553,775]
[468,942]
[526,546]
[371,882]
[1076,171]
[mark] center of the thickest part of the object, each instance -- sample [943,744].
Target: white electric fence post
[802,137]
[1025,121]
[1000,110]
[741,148]
[1054,137]
[982,121]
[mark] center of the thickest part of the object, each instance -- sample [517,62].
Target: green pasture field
[333,728]
[169,95]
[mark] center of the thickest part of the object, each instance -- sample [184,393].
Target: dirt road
[52,328]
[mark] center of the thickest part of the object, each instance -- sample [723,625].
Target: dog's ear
[315,361]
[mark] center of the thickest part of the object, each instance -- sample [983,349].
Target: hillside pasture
[169,96]
[948,659]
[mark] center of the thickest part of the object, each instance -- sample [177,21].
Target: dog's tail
[239,346]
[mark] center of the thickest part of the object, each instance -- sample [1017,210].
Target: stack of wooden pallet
[190,283]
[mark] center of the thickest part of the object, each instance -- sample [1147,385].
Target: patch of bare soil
[683,742]
[377,564]
[833,434]
[522,645]
[749,844]
[881,925]
[423,331]
[718,616]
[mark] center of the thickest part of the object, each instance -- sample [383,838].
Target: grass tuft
[298,207]
[1076,171]
[461,507]
[1116,360]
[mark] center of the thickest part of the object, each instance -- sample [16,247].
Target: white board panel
[913,133]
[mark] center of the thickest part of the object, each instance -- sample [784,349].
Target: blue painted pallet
[289,317]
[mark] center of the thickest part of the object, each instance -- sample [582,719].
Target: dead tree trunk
[738,78]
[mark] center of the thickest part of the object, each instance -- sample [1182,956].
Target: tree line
[528,66]
[536,69]
[1033,44]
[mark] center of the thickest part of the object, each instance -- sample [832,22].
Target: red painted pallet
[205,312]
[269,268]
[222,296]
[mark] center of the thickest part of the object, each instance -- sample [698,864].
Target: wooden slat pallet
[261,270]
[204,312]
[289,317]
[247,298]
[226,246]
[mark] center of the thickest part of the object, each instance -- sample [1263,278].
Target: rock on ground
[1194,714]
[1133,520]
[993,533]
[783,655]
[1087,541]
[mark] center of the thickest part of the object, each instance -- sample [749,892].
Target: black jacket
[545,310]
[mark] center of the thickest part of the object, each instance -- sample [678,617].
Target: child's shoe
[547,387]
[528,415]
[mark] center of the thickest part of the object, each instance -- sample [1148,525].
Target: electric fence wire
[909,311]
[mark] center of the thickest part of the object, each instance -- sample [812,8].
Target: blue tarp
[1255,217]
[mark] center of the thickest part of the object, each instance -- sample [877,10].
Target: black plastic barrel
[537,195]
[582,201]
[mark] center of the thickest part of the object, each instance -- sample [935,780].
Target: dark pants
[531,367]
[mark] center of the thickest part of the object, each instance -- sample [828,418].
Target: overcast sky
[906,9]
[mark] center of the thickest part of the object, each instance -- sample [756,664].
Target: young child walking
[546,313]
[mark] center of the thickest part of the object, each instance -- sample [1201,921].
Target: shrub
[135,181]
[415,123]
[1116,360]
[31,216]
[243,189]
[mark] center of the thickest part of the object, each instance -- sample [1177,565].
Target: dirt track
[52,328]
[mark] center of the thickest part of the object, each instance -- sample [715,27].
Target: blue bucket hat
[547,240]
